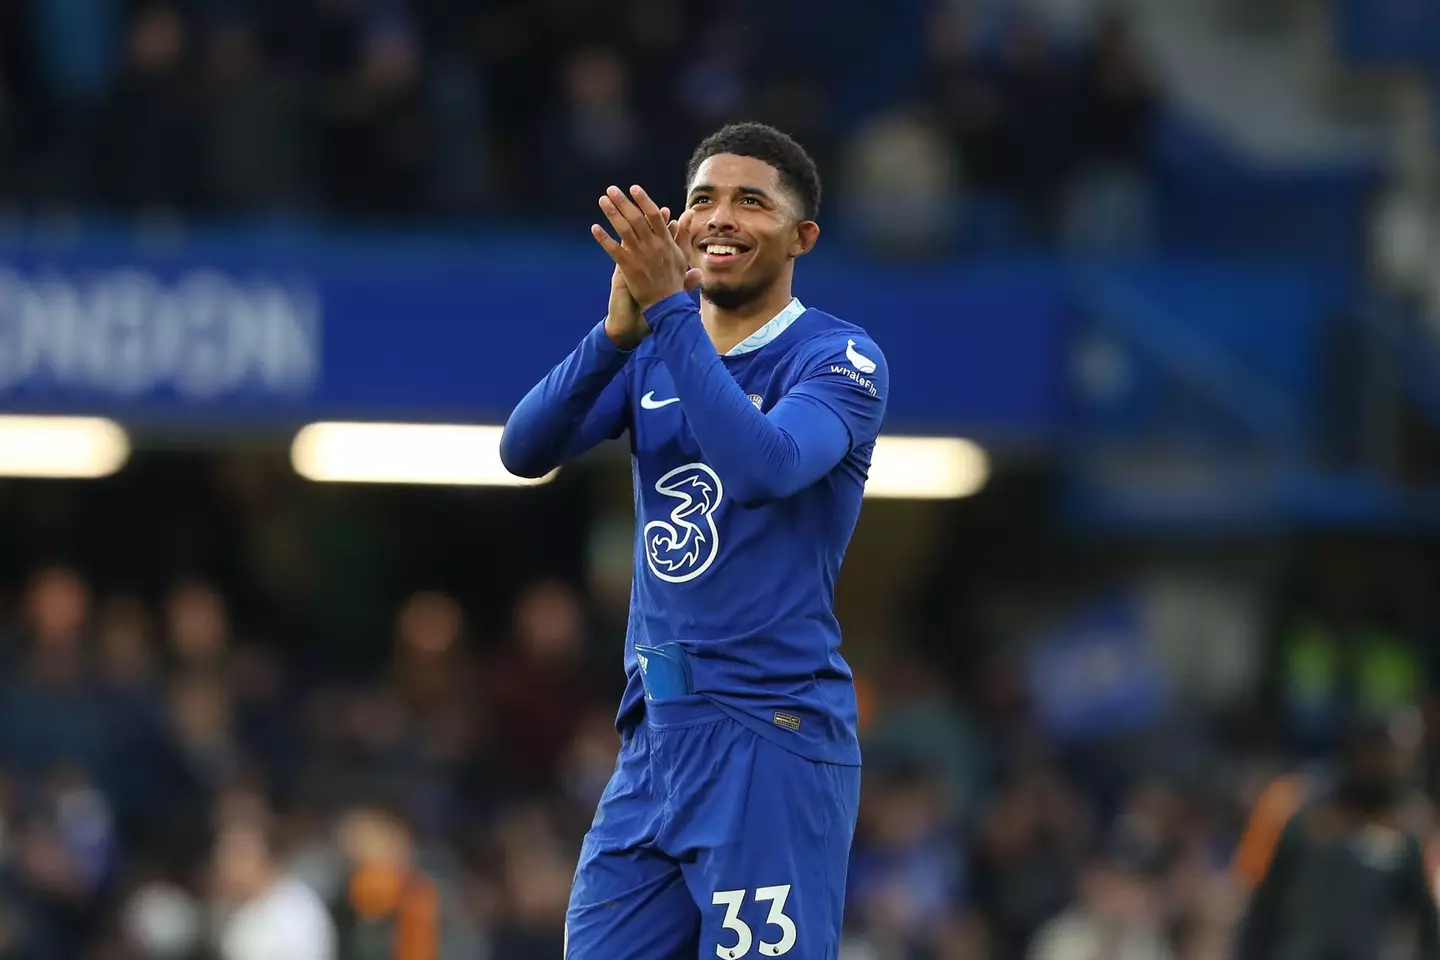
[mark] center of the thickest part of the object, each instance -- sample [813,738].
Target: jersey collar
[776,326]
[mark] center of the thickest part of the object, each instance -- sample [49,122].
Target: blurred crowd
[175,786]
[423,108]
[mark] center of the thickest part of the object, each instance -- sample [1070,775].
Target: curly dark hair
[763,142]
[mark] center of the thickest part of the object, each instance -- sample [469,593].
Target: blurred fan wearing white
[270,915]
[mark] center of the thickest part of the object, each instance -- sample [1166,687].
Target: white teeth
[720,248]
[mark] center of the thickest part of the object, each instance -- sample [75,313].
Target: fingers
[654,216]
[627,209]
[621,224]
[681,230]
[609,243]
[693,279]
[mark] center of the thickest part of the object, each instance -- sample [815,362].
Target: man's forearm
[758,457]
[579,403]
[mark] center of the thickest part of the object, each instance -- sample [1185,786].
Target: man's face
[241,862]
[745,228]
[1377,774]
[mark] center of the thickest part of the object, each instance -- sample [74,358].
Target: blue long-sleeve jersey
[749,470]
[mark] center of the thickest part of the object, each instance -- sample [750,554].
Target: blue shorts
[711,841]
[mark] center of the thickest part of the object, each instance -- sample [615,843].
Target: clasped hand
[650,252]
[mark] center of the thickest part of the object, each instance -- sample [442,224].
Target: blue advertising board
[271,328]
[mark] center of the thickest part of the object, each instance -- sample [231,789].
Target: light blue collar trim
[776,326]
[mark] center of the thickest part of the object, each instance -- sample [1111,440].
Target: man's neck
[728,328]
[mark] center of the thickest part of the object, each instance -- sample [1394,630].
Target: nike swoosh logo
[650,403]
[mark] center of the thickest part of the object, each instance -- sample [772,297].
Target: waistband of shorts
[684,711]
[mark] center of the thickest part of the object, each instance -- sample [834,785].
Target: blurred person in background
[1118,916]
[268,914]
[596,134]
[197,629]
[1108,204]
[75,51]
[901,187]
[542,685]
[907,869]
[65,853]
[430,663]
[1031,846]
[537,870]
[152,142]
[1041,118]
[376,128]
[400,900]
[1346,877]
[254,144]
[50,713]
[967,94]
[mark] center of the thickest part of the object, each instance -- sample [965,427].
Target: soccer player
[726,827]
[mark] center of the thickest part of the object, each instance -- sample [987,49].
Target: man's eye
[750,200]
[696,201]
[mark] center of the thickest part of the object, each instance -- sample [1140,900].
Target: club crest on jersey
[681,547]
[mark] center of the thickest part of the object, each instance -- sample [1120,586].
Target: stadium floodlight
[926,468]
[402,453]
[61,448]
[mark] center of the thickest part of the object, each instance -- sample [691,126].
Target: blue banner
[1095,675]
[273,328]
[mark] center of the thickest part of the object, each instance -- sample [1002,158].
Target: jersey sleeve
[581,402]
[760,457]
[850,377]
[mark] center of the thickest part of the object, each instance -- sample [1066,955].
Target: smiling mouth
[719,252]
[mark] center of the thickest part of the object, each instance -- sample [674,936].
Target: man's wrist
[679,300]
[622,341]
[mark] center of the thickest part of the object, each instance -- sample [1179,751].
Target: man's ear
[807,232]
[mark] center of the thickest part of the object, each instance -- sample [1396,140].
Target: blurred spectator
[595,136]
[1117,916]
[900,190]
[197,628]
[1041,121]
[130,685]
[1122,96]
[537,874]
[1347,875]
[541,688]
[907,870]
[152,142]
[76,55]
[396,907]
[922,725]
[49,713]
[377,143]
[1029,852]
[253,140]
[162,920]
[203,727]
[270,915]
[968,94]
[1109,205]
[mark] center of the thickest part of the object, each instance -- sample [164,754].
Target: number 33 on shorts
[732,900]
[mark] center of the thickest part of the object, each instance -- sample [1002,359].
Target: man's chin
[731,296]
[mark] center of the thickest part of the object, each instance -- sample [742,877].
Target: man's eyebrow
[743,191]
